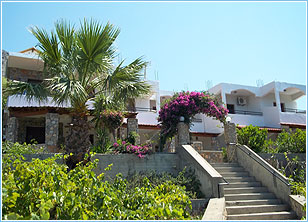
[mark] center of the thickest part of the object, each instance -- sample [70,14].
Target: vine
[188,104]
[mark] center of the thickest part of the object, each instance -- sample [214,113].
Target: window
[230,107]
[35,81]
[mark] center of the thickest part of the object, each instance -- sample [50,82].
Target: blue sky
[187,44]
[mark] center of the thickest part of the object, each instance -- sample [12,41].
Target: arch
[188,104]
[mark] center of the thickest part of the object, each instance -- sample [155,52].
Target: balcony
[244,112]
[141,109]
[290,110]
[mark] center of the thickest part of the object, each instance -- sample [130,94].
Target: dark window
[230,107]
[282,107]
[274,103]
[35,81]
[91,139]
[35,133]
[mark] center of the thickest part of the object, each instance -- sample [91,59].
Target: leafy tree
[78,68]
[253,137]
[291,142]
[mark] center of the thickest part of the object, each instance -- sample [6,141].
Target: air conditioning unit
[241,101]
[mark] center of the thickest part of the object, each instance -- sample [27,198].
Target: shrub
[186,178]
[291,142]
[125,147]
[43,189]
[17,148]
[253,137]
[188,104]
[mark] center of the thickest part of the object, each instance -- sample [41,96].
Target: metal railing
[290,110]
[141,109]
[244,112]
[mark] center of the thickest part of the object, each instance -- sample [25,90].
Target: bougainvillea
[188,104]
[111,119]
[125,147]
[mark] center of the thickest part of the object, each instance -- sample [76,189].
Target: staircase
[247,199]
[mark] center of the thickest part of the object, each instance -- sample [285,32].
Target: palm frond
[65,89]
[48,45]
[32,91]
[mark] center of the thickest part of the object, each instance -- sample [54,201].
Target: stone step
[230,169]
[243,184]
[243,190]
[224,165]
[252,202]
[249,196]
[235,174]
[256,209]
[239,179]
[284,215]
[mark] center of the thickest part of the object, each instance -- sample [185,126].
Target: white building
[272,106]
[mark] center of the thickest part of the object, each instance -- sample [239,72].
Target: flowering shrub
[188,104]
[111,119]
[125,147]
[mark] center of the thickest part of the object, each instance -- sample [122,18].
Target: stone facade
[183,134]
[24,74]
[212,156]
[231,141]
[28,122]
[5,56]
[132,126]
[52,131]
[12,130]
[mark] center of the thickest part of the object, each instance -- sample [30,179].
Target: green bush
[253,137]
[291,141]
[43,189]
[17,148]
[186,178]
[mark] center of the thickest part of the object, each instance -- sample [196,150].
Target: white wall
[271,117]
[296,118]
[247,119]
[253,103]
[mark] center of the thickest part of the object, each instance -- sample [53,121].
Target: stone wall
[212,156]
[12,130]
[52,131]
[127,164]
[132,126]
[24,74]
[5,56]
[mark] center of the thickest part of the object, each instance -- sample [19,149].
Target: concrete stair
[247,199]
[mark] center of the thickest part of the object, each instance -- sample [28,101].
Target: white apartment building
[272,106]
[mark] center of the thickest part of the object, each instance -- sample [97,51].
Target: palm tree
[78,67]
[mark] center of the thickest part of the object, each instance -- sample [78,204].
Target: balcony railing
[244,112]
[141,109]
[290,110]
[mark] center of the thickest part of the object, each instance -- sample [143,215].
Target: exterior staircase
[247,199]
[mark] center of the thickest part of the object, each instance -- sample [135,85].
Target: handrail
[146,109]
[291,110]
[244,112]
[266,166]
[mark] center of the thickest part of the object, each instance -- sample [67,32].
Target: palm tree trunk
[78,141]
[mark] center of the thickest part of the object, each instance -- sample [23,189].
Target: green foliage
[186,178]
[4,93]
[132,138]
[253,137]
[292,142]
[103,143]
[43,189]
[296,173]
[224,154]
[17,148]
